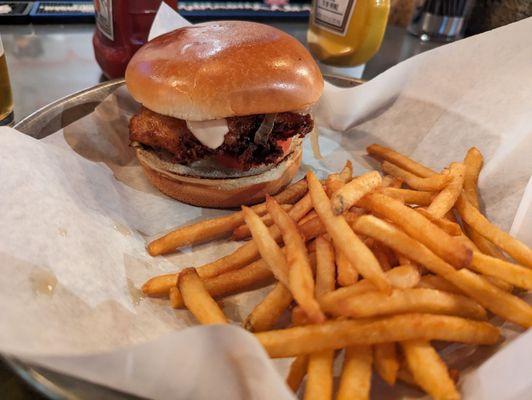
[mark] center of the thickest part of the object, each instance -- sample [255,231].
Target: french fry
[400,160]
[344,333]
[252,276]
[431,184]
[268,247]
[158,286]
[300,279]
[266,314]
[515,248]
[473,162]
[401,277]
[297,372]
[242,232]
[320,376]
[436,282]
[198,300]
[347,274]
[199,232]
[444,201]
[402,301]
[408,196]
[386,362]
[483,244]
[391,182]
[335,181]
[452,228]
[347,196]
[299,317]
[216,228]
[311,215]
[355,380]
[344,238]
[381,256]
[325,271]
[429,370]
[479,289]
[419,227]
[249,251]
[512,273]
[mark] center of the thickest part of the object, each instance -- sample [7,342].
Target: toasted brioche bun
[223,69]
[219,193]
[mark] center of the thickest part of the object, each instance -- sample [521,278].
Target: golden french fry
[198,300]
[408,196]
[402,301]
[473,162]
[429,370]
[198,232]
[299,317]
[474,218]
[391,182]
[343,333]
[402,277]
[347,274]
[242,232]
[381,256]
[267,312]
[344,238]
[300,279]
[386,362]
[346,174]
[430,281]
[399,159]
[252,276]
[431,184]
[311,215]
[512,273]
[249,251]
[355,381]
[158,286]
[325,271]
[216,228]
[483,244]
[320,376]
[479,289]
[346,196]
[452,228]
[419,227]
[297,372]
[268,247]
[444,201]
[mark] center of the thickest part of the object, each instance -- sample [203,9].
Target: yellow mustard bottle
[347,33]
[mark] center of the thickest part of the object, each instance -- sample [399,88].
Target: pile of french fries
[374,266]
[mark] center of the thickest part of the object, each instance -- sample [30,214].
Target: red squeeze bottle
[122,26]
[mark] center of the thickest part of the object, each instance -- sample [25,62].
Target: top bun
[223,69]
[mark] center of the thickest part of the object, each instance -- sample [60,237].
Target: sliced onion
[265,129]
[315,142]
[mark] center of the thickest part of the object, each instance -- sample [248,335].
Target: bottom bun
[219,193]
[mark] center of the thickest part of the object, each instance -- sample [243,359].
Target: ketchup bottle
[122,26]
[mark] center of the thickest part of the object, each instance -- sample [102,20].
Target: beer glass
[6,98]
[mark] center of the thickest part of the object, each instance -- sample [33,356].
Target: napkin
[77,212]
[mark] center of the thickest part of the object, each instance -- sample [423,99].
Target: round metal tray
[40,124]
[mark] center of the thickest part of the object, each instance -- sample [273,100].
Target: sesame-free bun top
[222,69]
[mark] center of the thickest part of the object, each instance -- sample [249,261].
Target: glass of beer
[6,98]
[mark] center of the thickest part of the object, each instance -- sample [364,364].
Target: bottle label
[334,15]
[104,17]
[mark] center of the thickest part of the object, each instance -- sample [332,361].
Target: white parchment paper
[77,211]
